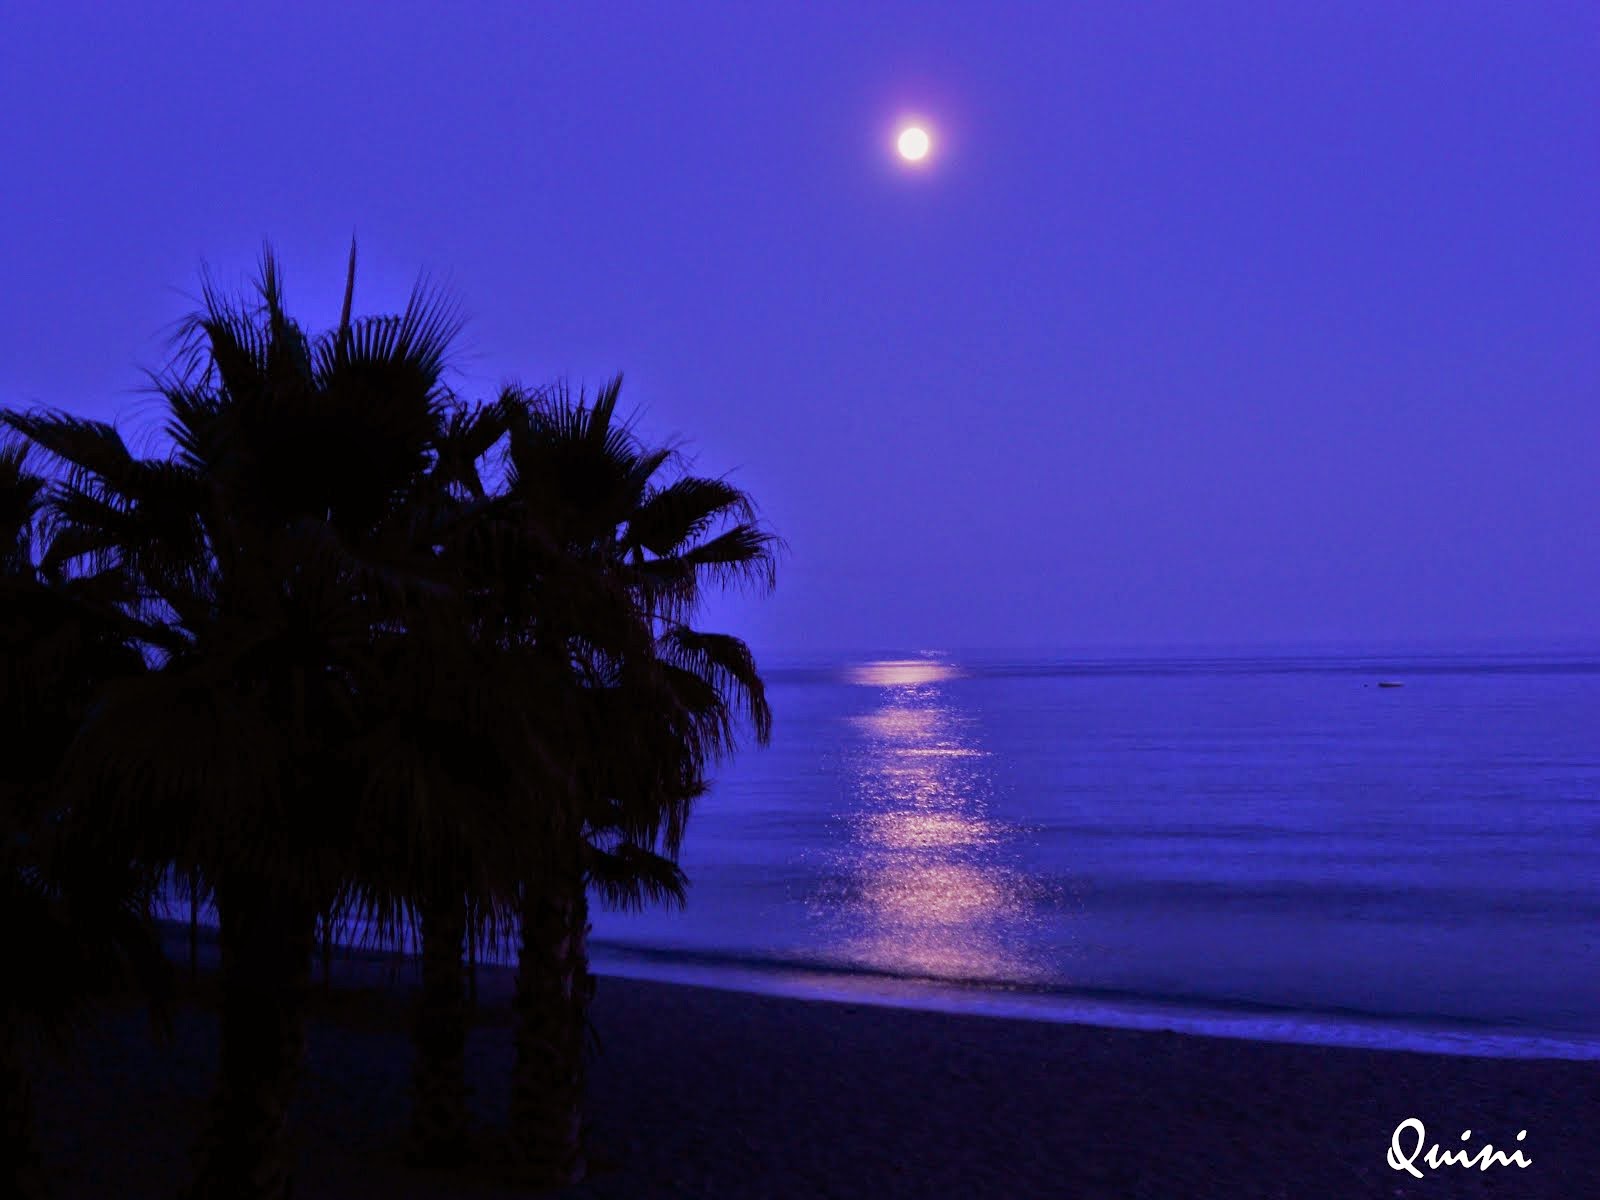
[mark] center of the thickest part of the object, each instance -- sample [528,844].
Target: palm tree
[267,553]
[446,755]
[385,682]
[76,915]
[623,555]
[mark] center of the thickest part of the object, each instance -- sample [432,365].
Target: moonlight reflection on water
[926,888]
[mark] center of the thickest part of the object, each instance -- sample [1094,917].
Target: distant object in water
[1390,683]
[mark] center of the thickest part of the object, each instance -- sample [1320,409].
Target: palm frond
[76,443]
[629,877]
[683,511]
[743,554]
[725,662]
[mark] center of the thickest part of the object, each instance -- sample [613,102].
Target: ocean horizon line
[1492,645]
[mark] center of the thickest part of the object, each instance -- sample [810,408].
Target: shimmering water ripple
[924,882]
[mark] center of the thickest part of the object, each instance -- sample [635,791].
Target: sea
[1376,847]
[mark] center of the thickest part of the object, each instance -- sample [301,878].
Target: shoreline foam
[1256,1023]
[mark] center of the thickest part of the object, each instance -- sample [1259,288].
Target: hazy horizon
[1582,644]
[1199,327]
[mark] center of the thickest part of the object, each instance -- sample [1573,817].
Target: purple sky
[1208,322]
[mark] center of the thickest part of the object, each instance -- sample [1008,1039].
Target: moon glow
[914,143]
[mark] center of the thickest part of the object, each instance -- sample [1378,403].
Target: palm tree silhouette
[366,649]
[448,757]
[76,912]
[649,700]
[263,552]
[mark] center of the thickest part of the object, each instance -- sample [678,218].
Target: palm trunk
[327,953]
[246,1154]
[553,991]
[439,1038]
[21,1173]
[194,927]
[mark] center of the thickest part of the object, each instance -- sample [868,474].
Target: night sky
[1204,323]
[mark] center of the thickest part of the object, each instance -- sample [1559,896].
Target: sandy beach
[705,1093]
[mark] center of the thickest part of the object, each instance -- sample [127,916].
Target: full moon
[914,144]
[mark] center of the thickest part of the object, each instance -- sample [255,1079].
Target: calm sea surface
[1272,846]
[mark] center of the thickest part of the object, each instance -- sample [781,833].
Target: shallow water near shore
[1258,845]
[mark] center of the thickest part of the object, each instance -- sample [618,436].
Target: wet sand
[704,1093]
